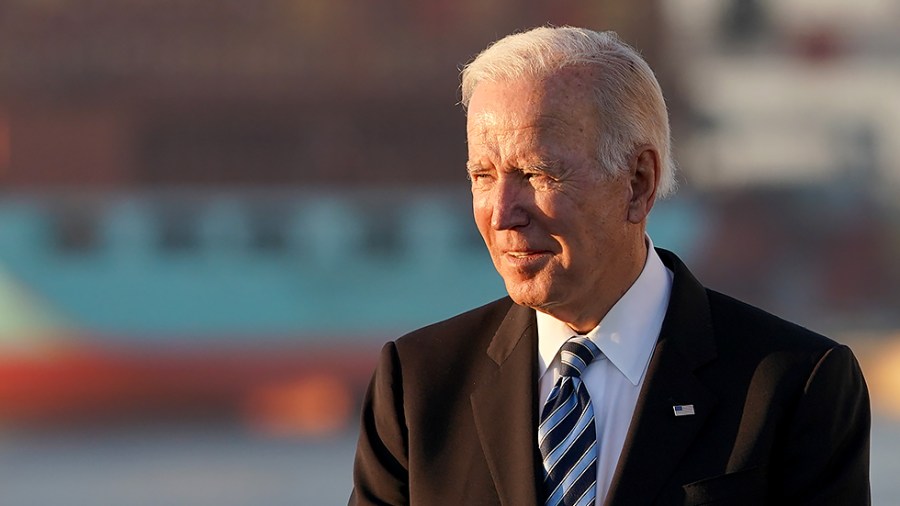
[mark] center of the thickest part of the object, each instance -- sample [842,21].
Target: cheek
[481,211]
[558,205]
[557,215]
[576,226]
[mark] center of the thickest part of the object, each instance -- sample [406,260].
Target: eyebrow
[544,165]
[548,166]
[474,166]
[541,165]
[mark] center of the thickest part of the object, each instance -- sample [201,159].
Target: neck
[584,319]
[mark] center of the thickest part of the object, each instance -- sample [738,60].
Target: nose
[510,203]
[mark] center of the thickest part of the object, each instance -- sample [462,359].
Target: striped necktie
[566,435]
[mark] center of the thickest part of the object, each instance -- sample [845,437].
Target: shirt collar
[628,332]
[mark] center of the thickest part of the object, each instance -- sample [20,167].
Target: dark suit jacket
[782,414]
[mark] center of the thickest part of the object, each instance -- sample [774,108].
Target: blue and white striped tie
[566,435]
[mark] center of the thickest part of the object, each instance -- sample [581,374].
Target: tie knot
[576,354]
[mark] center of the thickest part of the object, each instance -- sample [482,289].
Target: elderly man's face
[558,231]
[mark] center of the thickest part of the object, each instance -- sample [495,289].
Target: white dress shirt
[626,336]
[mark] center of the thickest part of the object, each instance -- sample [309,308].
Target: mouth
[524,254]
[525,259]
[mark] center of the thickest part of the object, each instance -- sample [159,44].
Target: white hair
[625,88]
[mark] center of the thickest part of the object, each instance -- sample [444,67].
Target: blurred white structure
[789,92]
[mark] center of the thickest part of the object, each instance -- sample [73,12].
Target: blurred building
[791,133]
[299,92]
[800,92]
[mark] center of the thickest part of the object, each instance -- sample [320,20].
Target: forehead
[563,101]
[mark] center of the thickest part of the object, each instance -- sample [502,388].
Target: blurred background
[193,191]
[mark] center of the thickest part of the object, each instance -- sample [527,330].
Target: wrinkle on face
[557,230]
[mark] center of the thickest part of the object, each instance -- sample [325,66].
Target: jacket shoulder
[755,325]
[730,325]
[465,329]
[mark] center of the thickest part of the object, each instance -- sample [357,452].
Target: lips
[524,253]
[525,260]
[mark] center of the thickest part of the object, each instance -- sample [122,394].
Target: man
[609,375]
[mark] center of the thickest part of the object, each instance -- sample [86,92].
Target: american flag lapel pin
[683,409]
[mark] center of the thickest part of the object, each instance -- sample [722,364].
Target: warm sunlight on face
[557,229]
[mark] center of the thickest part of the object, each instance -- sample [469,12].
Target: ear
[644,171]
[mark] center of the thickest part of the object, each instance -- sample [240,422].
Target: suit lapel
[657,440]
[505,412]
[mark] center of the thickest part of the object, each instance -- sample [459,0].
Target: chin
[528,296]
